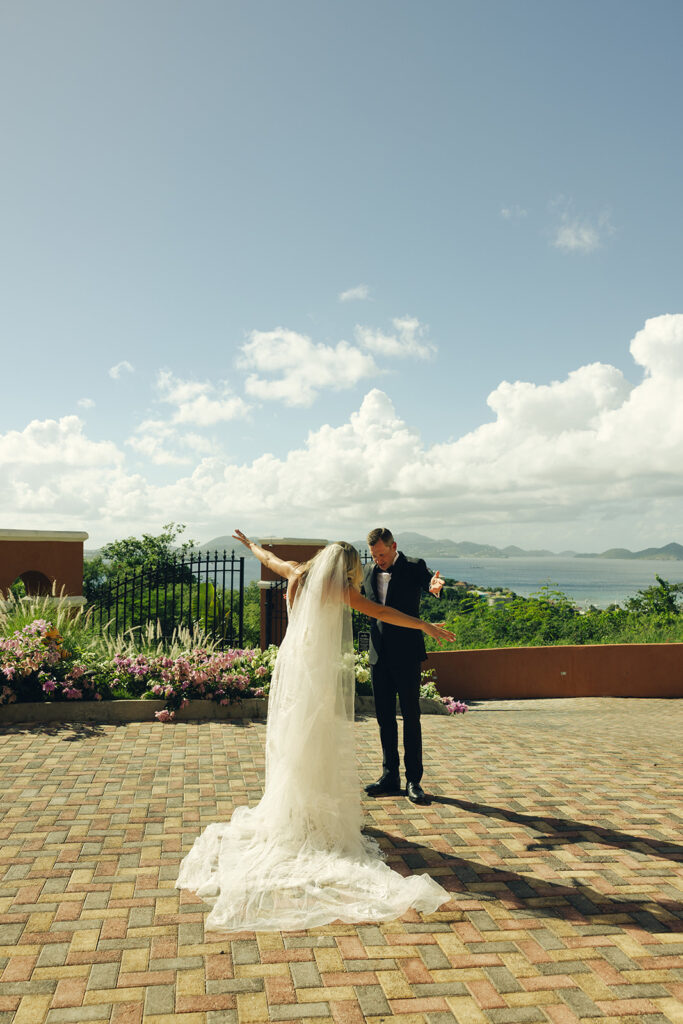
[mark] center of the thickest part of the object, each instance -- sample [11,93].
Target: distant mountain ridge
[669,553]
[416,544]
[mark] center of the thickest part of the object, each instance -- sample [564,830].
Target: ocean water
[598,581]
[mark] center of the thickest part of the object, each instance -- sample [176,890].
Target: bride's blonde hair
[353,570]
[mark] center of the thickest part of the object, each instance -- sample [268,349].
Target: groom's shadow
[555,832]
[539,897]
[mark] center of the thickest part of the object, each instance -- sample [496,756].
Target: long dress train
[298,858]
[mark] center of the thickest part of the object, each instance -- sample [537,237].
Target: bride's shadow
[529,896]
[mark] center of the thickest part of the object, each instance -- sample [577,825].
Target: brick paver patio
[557,825]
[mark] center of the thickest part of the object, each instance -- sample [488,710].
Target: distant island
[669,553]
[417,544]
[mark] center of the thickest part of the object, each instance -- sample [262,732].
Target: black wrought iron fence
[194,590]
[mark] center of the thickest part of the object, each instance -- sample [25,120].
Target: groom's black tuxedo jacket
[410,576]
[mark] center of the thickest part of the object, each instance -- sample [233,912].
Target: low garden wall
[597,670]
[120,711]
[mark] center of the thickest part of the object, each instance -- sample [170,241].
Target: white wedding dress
[298,858]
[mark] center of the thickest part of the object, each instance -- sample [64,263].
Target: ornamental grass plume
[70,622]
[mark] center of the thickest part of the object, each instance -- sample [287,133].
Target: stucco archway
[43,559]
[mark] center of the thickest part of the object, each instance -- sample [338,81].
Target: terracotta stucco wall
[60,560]
[289,550]
[609,670]
[598,670]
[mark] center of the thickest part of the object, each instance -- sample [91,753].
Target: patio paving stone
[555,825]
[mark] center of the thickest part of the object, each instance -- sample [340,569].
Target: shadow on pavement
[564,831]
[72,731]
[537,897]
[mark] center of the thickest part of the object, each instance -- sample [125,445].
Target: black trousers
[391,677]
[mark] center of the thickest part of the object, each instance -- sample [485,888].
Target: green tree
[147,551]
[661,599]
[120,557]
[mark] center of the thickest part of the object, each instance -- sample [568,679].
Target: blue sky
[300,266]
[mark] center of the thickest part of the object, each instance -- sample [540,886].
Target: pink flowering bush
[455,707]
[35,665]
[165,715]
[130,675]
[428,689]
[225,677]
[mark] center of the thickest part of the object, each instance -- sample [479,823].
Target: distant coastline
[417,544]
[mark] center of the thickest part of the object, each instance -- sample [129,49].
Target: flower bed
[38,665]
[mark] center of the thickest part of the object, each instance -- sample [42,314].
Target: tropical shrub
[35,664]
[653,615]
[429,691]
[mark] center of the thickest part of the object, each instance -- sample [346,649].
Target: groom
[396,655]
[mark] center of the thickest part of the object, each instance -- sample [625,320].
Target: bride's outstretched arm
[394,617]
[267,558]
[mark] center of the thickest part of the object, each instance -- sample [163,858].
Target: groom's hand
[436,584]
[439,632]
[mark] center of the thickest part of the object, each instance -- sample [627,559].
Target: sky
[310,267]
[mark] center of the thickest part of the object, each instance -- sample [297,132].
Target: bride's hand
[439,632]
[238,535]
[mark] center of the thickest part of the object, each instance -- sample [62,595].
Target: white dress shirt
[383,582]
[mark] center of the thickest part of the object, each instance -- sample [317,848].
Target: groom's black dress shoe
[385,786]
[416,793]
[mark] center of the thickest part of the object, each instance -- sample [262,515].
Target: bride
[298,859]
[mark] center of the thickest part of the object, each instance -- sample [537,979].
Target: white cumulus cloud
[293,368]
[199,402]
[513,212]
[574,233]
[195,403]
[659,346]
[52,469]
[151,439]
[123,367]
[407,339]
[361,291]
[565,455]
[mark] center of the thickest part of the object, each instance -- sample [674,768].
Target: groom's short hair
[381,533]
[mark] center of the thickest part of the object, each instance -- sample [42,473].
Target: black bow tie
[389,570]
